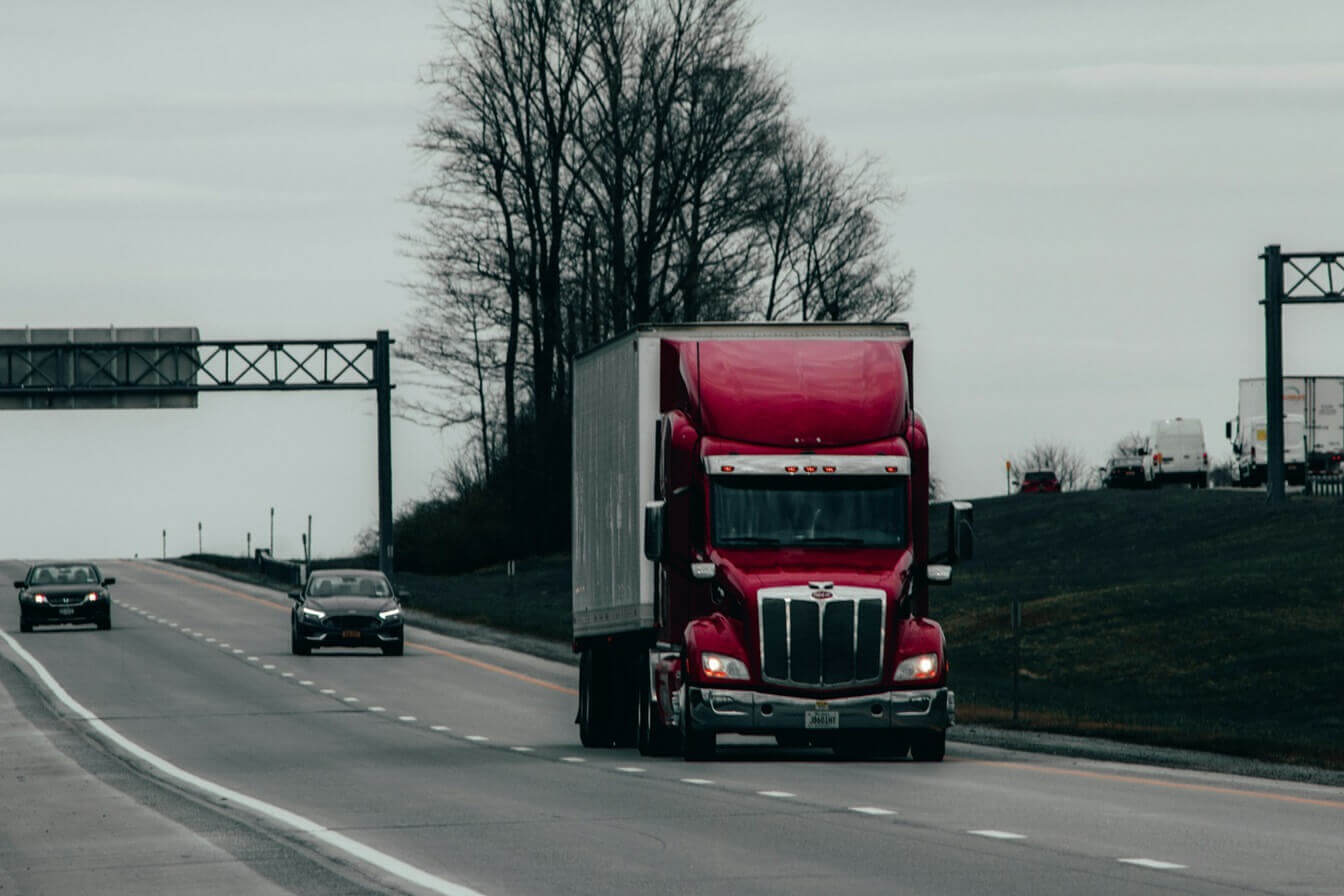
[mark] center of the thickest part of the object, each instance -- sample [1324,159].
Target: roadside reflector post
[1016,618]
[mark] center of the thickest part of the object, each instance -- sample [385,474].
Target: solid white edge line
[999,835]
[293,820]
[1153,863]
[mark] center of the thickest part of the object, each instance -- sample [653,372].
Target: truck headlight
[310,613]
[716,665]
[923,667]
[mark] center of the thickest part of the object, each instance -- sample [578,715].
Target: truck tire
[594,717]
[696,745]
[653,738]
[928,744]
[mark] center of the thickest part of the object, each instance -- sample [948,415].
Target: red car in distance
[1039,481]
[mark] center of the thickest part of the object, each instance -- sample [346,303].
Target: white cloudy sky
[1087,188]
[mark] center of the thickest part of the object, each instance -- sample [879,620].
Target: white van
[1176,453]
[1253,458]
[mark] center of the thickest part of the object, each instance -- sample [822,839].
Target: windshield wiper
[747,539]
[831,539]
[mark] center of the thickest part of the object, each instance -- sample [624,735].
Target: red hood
[749,571]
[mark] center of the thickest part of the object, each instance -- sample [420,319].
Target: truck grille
[822,643]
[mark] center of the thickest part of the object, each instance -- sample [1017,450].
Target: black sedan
[346,608]
[64,594]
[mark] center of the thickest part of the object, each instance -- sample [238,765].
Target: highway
[187,750]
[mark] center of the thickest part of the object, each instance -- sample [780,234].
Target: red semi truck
[750,542]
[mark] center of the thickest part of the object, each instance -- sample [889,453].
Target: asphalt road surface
[186,750]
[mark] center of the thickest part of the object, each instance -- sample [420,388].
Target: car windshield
[349,586]
[1040,477]
[63,574]
[846,511]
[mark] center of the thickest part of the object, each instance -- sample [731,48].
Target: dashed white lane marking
[286,674]
[268,666]
[572,759]
[1152,863]
[871,810]
[999,835]
[477,738]
[328,691]
[439,728]
[521,749]
[377,709]
[252,659]
[351,699]
[701,781]
[630,769]
[209,640]
[293,820]
[777,794]
[238,650]
[306,681]
[405,718]
[199,635]
[172,625]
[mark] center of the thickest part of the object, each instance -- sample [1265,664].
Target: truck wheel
[654,738]
[594,724]
[696,745]
[928,744]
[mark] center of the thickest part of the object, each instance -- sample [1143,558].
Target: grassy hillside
[1185,618]
[1178,617]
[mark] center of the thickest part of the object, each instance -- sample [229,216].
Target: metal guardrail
[1328,485]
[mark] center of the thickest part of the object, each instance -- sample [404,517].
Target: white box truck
[1317,400]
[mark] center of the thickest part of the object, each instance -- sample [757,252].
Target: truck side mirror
[938,574]
[655,538]
[960,531]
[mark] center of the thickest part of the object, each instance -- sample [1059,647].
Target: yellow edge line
[1153,782]
[480,664]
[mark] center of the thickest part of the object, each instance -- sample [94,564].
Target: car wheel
[105,623]
[696,745]
[396,649]
[297,645]
[25,625]
[928,745]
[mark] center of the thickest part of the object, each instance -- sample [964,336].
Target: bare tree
[598,164]
[1131,444]
[1068,464]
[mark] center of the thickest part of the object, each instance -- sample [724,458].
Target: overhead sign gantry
[1313,278]
[170,367]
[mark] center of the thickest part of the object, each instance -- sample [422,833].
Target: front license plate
[67,611]
[821,718]
[354,635]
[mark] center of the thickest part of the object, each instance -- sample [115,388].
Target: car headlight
[923,667]
[39,598]
[716,665]
[387,615]
[92,595]
[312,613]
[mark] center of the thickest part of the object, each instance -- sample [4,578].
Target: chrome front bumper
[749,712]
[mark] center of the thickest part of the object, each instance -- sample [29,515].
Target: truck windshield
[752,511]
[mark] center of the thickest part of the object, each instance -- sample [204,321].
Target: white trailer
[1317,400]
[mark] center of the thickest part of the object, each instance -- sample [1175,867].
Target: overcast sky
[1087,188]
